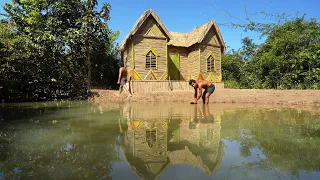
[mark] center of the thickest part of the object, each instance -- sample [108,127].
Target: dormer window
[151,60]
[211,64]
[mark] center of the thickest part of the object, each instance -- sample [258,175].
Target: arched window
[151,138]
[151,60]
[210,64]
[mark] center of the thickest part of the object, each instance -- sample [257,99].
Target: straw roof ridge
[188,39]
[139,23]
[197,35]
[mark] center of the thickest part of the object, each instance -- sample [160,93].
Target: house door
[174,66]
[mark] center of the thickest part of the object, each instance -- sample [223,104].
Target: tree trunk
[89,71]
[88,61]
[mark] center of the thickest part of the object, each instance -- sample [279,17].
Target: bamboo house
[154,141]
[152,53]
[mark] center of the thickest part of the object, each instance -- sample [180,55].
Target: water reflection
[57,140]
[79,140]
[275,143]
[153,139]
[158,141]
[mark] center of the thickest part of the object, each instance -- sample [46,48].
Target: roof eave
[139,23]
[213,23]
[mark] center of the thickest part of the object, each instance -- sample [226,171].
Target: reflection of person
[122,127]
[123,131]
[125,110]
[97,107]
[208,118]
[122,79]
[124,121]
[125,116]
[194,123]
[198,86]
[201,116]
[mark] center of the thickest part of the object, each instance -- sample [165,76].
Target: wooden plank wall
[193,62]
[163,86]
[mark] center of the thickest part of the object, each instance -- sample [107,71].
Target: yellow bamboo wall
[141,45]
[211,38]
[151,29]
[150,36]
[211,45]
[158,117]
[193,61]
[166,111]
[163,86]
[205,50]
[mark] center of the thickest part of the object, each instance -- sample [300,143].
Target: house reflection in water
[155,138]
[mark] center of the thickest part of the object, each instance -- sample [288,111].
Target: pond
[80,140]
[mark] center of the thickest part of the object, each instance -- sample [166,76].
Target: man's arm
[120,73]
[194,97]
[199,92]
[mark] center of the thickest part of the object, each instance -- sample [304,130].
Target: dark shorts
[123,81]
[210,89]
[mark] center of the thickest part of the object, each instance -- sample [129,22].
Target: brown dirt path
[299,98]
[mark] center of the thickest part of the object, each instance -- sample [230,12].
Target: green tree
[50,47]
[289,58]
[248,49]
[232,64]
[288,54]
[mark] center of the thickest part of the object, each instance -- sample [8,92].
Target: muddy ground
[298,98]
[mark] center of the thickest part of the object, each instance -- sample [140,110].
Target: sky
[185,15]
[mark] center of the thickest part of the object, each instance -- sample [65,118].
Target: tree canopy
[55,48]
[288,59]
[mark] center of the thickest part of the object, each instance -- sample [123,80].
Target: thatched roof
[195,36]
[145,170]
[185,156]
[139,23]
[176,38]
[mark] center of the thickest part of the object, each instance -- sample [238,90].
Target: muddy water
[79,140]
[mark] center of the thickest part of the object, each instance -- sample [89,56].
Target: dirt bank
[241,96]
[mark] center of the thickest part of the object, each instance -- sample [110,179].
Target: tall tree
[288,54]
[94,30]
[51,46]
[249,48]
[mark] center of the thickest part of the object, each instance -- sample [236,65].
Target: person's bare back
[124,72]
[198,86]
[203,84]
[122,79]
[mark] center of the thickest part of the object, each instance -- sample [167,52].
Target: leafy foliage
[288,59]
[55,48]
[63,140]
[283,136]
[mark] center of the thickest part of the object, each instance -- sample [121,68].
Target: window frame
[211,64]
[146,53]
[214,69]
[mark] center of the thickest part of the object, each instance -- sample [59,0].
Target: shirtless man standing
[198,86]
[122,79]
